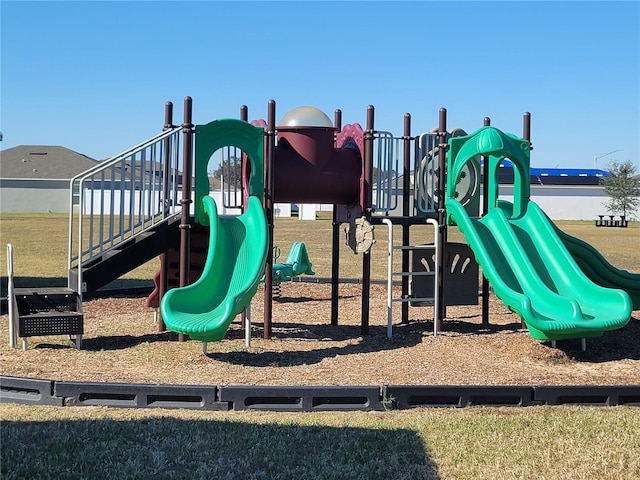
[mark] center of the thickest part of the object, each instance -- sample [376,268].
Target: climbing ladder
[391,274]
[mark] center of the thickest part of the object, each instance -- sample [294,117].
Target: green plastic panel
[221,133]
[496,145]
[599,270]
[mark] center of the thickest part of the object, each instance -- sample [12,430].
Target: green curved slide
[235,263]
[534,274]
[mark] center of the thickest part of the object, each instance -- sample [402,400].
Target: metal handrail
[104,163]
[123,197]
[11,299]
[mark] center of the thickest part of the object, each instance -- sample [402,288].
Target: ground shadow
[405,335]
[176,448]
[295,299]
[471,328]
[121,342]
[285,299]
[620,344]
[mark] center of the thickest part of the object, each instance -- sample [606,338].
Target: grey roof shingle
[43,162]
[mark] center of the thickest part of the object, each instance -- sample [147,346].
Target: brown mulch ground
[122,344]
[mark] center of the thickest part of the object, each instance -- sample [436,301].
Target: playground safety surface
[122,344]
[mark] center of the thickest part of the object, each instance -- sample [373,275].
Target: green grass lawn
[40,247]
[463,444]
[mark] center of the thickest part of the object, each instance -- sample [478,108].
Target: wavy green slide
[521,251]
[593,263]
[236,258]
[534,274]
[599,270]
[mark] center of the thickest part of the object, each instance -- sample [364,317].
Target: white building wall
[34,196]
[282,210]
[558,202]
[42,196]
[102,201]
[565,202]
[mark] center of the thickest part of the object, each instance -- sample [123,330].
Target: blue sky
[94,76]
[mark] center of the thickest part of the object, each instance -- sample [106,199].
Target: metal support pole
[335,265]
[247,326]
[526,134]
[11,299]
[163,281]
[268,204]
[245,171]
[485,210]
[366,210]
[245,167]
[335,244]
[185,202]
[442,227]
[406,186]
[389,225]
[526,127]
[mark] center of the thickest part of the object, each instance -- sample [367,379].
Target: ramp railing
[123,197]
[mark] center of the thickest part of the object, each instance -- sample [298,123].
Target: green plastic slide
[534,274]
[236,258]
[599,270]
[593,264]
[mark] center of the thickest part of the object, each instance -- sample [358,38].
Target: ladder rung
[417,274]
[413,299]
[412,247]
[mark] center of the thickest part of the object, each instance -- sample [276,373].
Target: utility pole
[600,155]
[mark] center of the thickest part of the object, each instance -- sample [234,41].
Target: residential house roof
[43,162]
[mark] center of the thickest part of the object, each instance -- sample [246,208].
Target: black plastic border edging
[597,395]
[31,391]
[28,391]
[302,399]
[405,396]
[201,397]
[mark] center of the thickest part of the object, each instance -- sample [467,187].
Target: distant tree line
[229,171]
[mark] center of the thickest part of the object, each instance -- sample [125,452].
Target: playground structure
[147,209]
